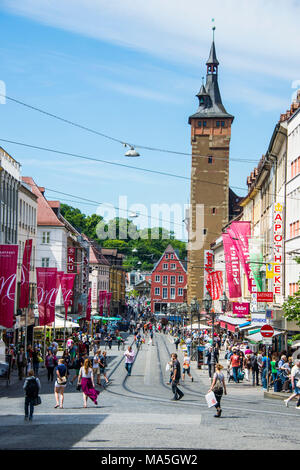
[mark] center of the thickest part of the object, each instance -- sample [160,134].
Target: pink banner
[216,284]
[8,274]
[46,279]
[102,296]
[240,233]
[89,305]
[67,283]
[241,309]
[25,273]
[232,267]
[108,299]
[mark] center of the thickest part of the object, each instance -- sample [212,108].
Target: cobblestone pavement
[137,412]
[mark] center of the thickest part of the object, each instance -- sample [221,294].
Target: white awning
[257,337]
[253,325]
[232,320]
[195,326]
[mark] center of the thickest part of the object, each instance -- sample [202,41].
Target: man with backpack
[31,386]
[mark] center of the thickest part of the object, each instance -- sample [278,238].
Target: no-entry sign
[267,331]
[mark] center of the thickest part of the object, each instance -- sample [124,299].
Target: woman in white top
[218,386]
[86,380]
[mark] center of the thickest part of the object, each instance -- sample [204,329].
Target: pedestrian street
[137,411]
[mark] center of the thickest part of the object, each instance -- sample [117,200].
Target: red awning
[222,324]
[231,327]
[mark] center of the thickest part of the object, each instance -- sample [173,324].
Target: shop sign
[278,231]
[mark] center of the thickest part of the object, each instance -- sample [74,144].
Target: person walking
[254,368]
[21,363]
[35,361]
[129,359]
[295,381]
[60,383]
[102,367]
[50,363]
[186,367]
[235,363]
[86,380]
[218,387]
[96,367]
[151,338]
[178,394]
[31,386]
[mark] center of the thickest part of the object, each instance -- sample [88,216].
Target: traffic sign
[267,331]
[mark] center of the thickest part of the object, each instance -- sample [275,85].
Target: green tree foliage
[142,248]
[291,307]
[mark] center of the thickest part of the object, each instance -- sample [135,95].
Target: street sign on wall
[264,296]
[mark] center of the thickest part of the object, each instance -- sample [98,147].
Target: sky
[131,70]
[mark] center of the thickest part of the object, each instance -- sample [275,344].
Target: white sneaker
[286,402]
[297,407]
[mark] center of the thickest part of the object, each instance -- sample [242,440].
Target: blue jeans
[128,367]
[264,378]
[235,371]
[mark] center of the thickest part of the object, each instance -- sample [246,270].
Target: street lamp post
[207,303]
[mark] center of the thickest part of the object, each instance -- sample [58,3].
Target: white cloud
[255,36]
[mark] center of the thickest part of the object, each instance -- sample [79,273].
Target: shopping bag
[210,399]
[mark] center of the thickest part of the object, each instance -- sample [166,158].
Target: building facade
[168,281]
[9,186]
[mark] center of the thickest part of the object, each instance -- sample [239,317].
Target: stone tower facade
[209,201]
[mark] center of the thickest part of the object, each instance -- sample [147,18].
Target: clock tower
[209,198]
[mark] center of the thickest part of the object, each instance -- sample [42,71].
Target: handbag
[61,380]
[218,385]
[78,387]
[37,401]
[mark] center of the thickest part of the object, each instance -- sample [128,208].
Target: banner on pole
[8,274]
[25,273]
[240,233]
[89,305]
[216,284]
[67,283]
[46,279]
[232,265]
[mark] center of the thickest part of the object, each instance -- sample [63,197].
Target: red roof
[45,214]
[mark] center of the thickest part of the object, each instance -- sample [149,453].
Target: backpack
[32,388]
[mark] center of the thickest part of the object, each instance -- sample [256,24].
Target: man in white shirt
[295,380]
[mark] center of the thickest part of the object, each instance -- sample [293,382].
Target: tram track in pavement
[142,396]
[227,398]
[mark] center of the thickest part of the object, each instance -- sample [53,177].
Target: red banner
[232,265]
[46,279]
[108,299]
[102,296]
[240,233]
[265,297]
[8,274]
[216,284]
[89,305]
[25,273]
[67,283]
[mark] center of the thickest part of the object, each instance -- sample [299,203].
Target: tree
[291,307]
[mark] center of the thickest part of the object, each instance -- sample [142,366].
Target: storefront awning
[257,337]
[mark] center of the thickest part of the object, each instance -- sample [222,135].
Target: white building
[292,227]
[9,184]
[55,236]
